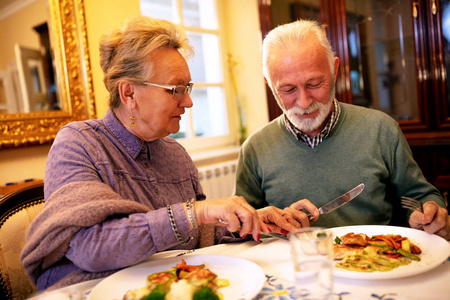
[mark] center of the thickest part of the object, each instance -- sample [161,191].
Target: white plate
[246,278]
[435,250]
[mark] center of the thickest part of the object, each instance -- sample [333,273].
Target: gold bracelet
[175,227]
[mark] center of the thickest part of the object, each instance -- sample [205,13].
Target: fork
[412,204]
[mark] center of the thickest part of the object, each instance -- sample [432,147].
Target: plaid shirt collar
[316,140]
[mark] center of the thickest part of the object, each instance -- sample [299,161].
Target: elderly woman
[119,189]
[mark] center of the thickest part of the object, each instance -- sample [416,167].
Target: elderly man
[319,148]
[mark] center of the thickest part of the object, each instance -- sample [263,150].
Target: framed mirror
[72,84]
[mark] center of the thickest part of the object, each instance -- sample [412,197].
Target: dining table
[273,256]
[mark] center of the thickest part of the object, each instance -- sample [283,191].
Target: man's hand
[434,219]
[282,221]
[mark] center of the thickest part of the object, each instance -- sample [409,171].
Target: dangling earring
[132,118]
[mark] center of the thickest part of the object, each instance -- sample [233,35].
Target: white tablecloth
[273,256]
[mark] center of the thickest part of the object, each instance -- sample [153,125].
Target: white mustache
[300,111]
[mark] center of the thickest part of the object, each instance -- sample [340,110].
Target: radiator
[218,179]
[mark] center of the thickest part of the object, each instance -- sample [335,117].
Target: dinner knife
[339,201]
[278,236]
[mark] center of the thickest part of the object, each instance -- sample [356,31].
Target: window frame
[194,143]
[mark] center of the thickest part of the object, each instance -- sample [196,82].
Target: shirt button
[157,192]
[146,165]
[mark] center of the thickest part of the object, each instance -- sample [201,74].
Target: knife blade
[339,201]
[278,236]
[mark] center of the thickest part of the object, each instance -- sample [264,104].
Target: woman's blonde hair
[124,51]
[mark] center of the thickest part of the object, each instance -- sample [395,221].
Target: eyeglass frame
[187,89]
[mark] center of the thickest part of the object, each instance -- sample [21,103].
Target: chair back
[17,210]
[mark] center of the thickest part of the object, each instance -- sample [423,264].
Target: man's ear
[336,67]
[127,95]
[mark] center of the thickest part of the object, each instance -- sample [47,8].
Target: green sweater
[366,146]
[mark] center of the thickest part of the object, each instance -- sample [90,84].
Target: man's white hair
[293,34]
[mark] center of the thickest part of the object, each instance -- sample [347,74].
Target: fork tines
[412,204]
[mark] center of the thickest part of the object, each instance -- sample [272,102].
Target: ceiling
[10,6]
[5,3]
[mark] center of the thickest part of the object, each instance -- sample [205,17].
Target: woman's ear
[127,95]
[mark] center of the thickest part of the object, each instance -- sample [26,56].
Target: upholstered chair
[17,210]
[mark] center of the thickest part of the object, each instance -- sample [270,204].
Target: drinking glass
[312,256]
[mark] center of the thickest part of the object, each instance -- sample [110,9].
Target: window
[206,124]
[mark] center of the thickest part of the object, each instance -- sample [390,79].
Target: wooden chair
[17,210]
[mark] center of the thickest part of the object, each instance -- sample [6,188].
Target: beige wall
[23,163]
[243,42]
[98,21]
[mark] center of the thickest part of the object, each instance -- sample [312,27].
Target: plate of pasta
[430,251]
[244,278]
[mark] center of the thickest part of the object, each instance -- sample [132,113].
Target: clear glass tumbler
[312,256]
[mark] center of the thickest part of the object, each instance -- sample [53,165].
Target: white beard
[310,124]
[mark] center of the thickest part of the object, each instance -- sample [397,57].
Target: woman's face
[157,113]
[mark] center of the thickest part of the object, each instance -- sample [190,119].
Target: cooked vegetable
[223,283]
[406,245]
[372,250]
[162,280]
[155,295]
[382,253]
[337,240]
[408,254]
[378,243]
[182,281]
[205,294]
[371,263]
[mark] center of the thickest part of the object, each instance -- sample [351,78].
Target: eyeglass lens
[180,90]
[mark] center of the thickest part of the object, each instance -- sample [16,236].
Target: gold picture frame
[69,43]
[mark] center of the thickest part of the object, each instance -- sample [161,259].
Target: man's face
[303,85]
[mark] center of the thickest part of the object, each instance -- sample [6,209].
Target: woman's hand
[282,221]
[233,211]
[434,219]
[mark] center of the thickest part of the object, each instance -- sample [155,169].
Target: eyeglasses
[178,91]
